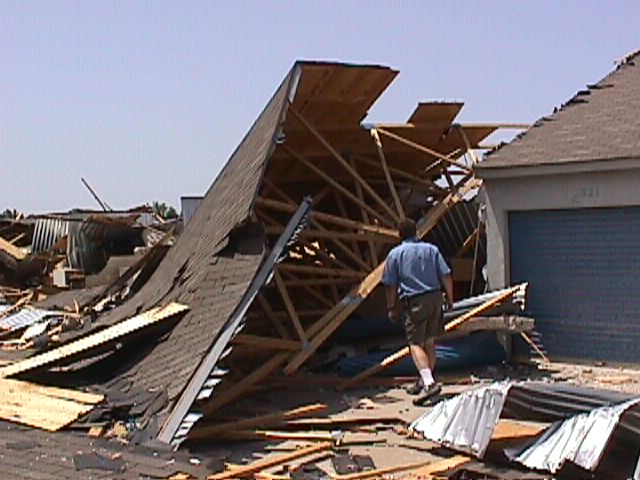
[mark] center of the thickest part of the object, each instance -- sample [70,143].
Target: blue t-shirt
[415,267]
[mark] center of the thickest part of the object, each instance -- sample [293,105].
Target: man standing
[415,275]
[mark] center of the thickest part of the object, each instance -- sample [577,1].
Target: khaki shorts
[422,316]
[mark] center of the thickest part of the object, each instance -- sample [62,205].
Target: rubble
[224,343]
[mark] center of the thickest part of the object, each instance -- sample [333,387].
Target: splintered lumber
[481,308]
[439,466]
[260,421]
[248,470]
[379,472]
[329,323]
[12,250]
[94,340]
[405,352]
[49,408]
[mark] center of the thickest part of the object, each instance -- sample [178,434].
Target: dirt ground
[387,442]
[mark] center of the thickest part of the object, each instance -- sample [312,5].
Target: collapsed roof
[291,236]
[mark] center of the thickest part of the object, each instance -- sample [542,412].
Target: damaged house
[563,213]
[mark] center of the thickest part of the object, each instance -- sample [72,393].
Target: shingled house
[563,208]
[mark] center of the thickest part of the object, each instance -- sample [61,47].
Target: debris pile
[227,339]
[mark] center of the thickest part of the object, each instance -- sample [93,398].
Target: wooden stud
[345,164]
[346,250]
[269,462]
[422,148]
[332,219]
[337,186]
[387,174]
[373,254]
[320,270]
[272,316]
[239,389]
[255,422]
[289,305]
[267,342]
[328,323]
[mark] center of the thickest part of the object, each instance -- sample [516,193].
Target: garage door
[583,269]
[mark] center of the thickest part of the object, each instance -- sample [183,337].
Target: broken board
[94,340]
[49,408]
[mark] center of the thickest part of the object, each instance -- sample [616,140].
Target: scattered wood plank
[261,421]
[250,469]
[428,471]
[94,340]
[49,408]
[379,472]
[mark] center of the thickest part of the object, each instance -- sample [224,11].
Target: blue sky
[147,100]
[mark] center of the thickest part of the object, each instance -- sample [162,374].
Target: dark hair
[407,228]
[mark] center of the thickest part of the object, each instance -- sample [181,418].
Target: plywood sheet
[94,340]
[49,408]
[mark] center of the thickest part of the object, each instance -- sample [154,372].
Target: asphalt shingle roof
[599,123]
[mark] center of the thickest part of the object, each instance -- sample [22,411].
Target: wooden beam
[328,323]
[346,250]
[261,421]
[317,282]
[290,267]
[332,219]
[426,183]
[15,252]
[373,253]
[269,462]
[344,164]
[387,174]
[422,148]
[109,334]
[404,352]
[289,305]
[267,342]
[331,234]
[380,472]
[277,324]
[307,288]
[239,389]
[335,184]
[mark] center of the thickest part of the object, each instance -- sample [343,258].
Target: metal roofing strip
[179,423]
[581,440]
[26,317]
[465,422]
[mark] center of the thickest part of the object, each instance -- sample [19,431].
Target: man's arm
[447,284]
[393,302]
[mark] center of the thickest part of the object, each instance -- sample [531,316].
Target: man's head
[407,229]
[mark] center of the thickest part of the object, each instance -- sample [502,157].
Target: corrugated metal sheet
[48,231]
[581,440]
[26,317]
[582,268]
[466,421]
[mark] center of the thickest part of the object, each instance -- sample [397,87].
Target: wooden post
[387,174]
